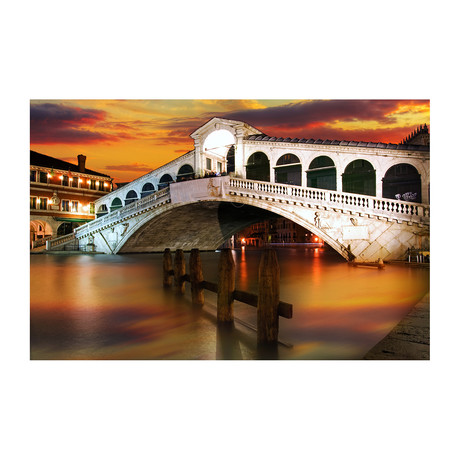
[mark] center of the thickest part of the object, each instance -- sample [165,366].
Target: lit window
[43,202]
[91,208]
[33,202]
[43,177]
[74,206]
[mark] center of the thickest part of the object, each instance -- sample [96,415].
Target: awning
[70,219]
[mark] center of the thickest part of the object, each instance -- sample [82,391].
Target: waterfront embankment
[409,339]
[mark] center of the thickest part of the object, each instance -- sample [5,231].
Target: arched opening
[359,177]
[165,180]
[102,211]
[258,167]
[322,173]
[116,204]
[131,197]
[231,159]
[402,182]
[147,189]
[66,228]
[185,172]
[288,170]
[218,142]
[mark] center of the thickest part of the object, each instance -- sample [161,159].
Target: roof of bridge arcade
[375,145]
[40,159]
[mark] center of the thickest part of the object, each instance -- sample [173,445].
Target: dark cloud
[58,123]
[311,119]
[300,114]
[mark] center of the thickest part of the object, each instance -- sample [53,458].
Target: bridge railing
[59,241]
[132,208]
[335,200]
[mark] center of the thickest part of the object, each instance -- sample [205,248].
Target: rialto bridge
[366,200]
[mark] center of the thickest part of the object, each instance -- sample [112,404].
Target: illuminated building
[62,195]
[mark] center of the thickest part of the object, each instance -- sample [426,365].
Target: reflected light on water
[114,307]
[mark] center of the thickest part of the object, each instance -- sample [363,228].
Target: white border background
[227,410]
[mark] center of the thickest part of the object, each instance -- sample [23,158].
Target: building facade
[62,195]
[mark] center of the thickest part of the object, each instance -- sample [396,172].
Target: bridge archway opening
[131,197]
[322,173]
[218,142]
[185,172]
[231,159]
[359,177]
[402,181]
[102,211]
[66,228]
[147,189]
[165,180]
[288,170]
[258,167]
[116,204]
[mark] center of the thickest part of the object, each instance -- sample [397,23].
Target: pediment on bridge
[234,126]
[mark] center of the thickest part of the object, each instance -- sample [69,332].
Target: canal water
[114,307]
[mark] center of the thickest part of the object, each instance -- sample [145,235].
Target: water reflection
[114,307]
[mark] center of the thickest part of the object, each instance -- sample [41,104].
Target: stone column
[240,170]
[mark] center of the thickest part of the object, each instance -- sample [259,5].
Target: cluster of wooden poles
[269,307]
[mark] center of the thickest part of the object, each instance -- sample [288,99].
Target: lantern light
[61,177]
[80,180]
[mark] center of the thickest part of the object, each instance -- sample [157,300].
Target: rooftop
[374,145]
[39,159]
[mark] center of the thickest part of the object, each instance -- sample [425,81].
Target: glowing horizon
[128,138]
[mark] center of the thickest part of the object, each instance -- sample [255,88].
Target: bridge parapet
[336,201]
[142,205]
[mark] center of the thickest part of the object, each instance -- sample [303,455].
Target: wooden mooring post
[179,271]
[168,271]
[269,307]
[225,287]
[196,277]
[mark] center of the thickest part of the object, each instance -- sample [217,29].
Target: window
[219,167]
[65,205]
[74,206]
[43,203]
[33,176]
[74,181]
[92,184]
[43,177]
[65,180]
[208,164]
[33,202]
[100,184]
[91,208]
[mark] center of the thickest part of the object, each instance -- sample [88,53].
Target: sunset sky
[128,138]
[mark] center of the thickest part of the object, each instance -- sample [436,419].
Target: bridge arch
[147,189]
[359,177]
[131,197]
[288,169]
[258,167]
[165,180]
[322,173]
[101,210]
[219,141]
[223,217]
[185,172]
[402,181]
[115,204]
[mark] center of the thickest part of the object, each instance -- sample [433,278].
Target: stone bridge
[204,213]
